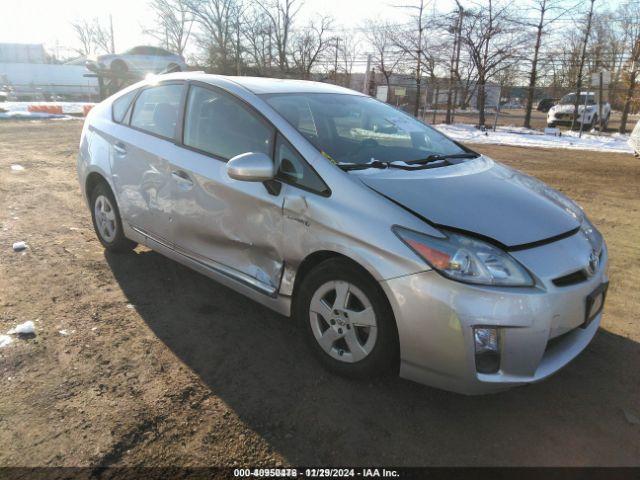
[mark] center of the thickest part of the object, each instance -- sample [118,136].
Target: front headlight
[466,259]
[592,235]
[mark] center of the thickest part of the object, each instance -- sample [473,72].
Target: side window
[156,110]
[293,169]
[217,123]
[121,105]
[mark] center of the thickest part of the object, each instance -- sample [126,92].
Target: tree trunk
[481,100]
[581,66]
[534,73]
[627,103]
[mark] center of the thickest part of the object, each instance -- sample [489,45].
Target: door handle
[120,148]
[182,177]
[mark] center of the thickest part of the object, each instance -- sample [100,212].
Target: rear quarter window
[121,106]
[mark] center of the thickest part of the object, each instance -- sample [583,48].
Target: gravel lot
[161,366]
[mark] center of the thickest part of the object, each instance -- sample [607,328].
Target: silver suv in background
[141,59]
[588,112]
[396,248]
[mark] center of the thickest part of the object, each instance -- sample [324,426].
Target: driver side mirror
[251,167]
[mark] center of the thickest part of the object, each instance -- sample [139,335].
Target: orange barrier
[86,109]
[53,109]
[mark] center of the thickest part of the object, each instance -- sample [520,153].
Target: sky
[49,21]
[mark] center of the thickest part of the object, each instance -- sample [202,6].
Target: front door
[141,171]
[231,226]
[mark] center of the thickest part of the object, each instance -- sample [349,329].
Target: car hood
[482,197]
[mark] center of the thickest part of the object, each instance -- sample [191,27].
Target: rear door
[141,171]
[232,226]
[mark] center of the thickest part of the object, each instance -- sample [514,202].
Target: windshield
[358,129]
[570,99]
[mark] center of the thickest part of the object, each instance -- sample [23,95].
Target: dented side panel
[223,222]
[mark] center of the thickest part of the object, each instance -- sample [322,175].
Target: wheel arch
[316,258]
[93,179]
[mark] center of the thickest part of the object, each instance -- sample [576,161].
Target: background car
[588,111]
[141,59]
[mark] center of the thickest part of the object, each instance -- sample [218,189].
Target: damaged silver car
[395,247]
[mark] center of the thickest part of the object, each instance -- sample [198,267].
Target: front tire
[107,222]
[348,321]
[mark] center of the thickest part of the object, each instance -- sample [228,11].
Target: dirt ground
[162,366]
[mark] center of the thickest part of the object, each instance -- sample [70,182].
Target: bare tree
[281,14]
[103,37]
[386,56]
[410,41]
[348,52]
[173,24]
[85,33]
[633,63]
[309,44]
[257,40]
[491,41]
[542,8]
[217,19]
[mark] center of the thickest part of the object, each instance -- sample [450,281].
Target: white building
[24,69]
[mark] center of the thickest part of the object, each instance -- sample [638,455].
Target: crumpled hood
[482,197]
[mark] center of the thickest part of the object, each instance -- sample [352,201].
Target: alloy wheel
[105,216]
[343,321]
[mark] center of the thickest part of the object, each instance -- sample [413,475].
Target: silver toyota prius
[396,248]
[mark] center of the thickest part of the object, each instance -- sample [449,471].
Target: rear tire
[347,320]
[106,220]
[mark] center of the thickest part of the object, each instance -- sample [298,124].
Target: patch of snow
[17,168]
[5,340]
[25,328]
[524,137]
[19,246]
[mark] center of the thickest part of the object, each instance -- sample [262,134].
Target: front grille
[571,279]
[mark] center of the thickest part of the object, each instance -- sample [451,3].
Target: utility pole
[581,67]
[365,86]
[270,50]
[113,42]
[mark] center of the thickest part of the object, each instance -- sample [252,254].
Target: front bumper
[567,118]
[540,327]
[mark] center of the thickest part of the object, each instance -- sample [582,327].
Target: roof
[262,85]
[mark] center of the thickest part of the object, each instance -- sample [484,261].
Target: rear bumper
[540,329]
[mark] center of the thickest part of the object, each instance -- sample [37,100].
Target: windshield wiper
[362,166]
[436,157]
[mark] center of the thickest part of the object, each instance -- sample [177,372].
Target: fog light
[487,346]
